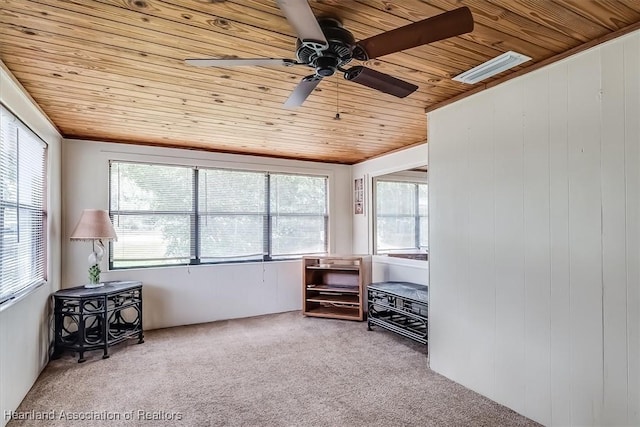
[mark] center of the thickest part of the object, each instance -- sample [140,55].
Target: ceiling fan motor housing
[330,58]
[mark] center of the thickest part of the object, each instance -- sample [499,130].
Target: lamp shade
[94,224]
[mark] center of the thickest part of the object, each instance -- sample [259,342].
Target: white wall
[386,269]
[24,323]
[183,295]
[534,235]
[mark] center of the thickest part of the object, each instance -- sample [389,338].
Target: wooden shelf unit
[335,286]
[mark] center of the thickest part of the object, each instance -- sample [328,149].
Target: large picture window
[22,207]
[176,215]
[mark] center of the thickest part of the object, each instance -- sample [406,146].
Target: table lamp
[96,226]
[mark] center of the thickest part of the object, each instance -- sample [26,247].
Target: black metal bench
[401,307]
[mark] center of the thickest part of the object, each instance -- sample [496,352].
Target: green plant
[94,274]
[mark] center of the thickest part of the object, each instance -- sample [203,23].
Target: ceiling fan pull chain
[337,117]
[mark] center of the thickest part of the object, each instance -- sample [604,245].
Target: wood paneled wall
[534,240]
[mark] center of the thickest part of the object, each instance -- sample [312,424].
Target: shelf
[335,299]
[335,312]
[354,268]
[334,288]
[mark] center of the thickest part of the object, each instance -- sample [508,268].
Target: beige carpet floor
[274,370]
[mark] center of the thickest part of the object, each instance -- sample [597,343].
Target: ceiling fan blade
[439,27]
[302,91]
[302,19]
[380,81]
[239,62]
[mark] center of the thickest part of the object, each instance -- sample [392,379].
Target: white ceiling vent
[492,67]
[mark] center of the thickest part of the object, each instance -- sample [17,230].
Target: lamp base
[93,285]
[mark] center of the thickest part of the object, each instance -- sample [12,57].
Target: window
[401,216]
[152,212]
[22,207]
[232,215]
[298,215]
[173,215]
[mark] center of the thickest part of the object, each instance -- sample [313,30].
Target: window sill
[19,296]
[203,265]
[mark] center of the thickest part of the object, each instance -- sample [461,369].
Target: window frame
[196,214]
[42,233]
[416,215]
[270,256]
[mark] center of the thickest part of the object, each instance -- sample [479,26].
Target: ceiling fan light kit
[492,67]
[326,46]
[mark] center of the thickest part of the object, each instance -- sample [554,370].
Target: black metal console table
[401,307]
[97,318]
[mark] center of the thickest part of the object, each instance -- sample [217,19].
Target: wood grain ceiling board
[113,70]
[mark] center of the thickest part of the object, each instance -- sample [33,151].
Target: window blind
[22,207]
[186,215]
[298,214]
[423,213]
[151,207]
[401,216]
[233,215]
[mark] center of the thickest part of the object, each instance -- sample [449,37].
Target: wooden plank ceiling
[113,70]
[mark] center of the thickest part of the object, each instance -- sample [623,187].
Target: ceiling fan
[324,45]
